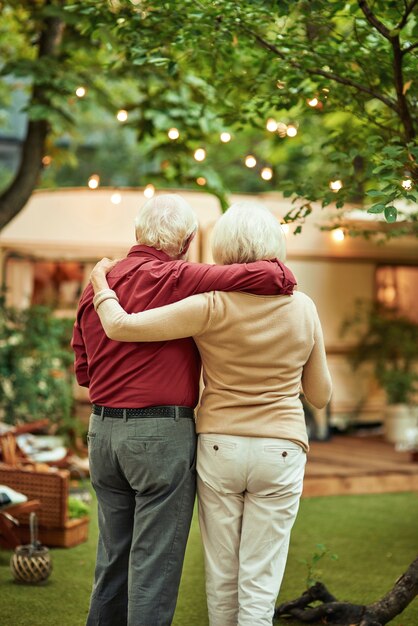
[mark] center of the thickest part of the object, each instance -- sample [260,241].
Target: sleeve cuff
[101,296]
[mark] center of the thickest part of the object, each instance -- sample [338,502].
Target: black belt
[150,411]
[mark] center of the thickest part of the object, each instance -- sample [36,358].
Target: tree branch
[408,10]
[319,72]
[410,48]
[403,107]
[403,592]
[402,103]
[372,19]
[333,612]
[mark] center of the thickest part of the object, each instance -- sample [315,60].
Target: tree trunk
[14,198]
[346,614]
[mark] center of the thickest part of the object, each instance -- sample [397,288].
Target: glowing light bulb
[313,102]
[200,154]
[149,191]
[94,181]
[407,184]
[122,115]
[225,137]
[266,173]
[201,180]
[335,185]
[338,235]
[116,198]
[285,228]
[271,125]
[291,131]
[250,161]
[173,133]
[80,92]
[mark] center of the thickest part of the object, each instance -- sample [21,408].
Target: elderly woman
[257,353]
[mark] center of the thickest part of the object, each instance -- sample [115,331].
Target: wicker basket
[51,488]
[31,563]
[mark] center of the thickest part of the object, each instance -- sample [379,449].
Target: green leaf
[379,168]
[376,208]
[391,213]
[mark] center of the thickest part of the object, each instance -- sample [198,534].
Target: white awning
[84,224]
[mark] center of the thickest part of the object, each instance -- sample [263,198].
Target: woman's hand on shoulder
[98,274]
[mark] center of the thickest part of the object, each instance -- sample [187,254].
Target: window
[397,289]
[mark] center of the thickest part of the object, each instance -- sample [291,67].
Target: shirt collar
[147,251]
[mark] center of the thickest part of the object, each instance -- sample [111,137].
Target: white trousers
[249,490]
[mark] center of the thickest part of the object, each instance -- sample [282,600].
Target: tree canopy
[322,94]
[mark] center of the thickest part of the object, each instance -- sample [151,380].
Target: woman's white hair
[166,222]
[247,232]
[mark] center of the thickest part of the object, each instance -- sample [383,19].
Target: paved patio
[358,465]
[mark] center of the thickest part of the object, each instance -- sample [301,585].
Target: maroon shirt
[122,374]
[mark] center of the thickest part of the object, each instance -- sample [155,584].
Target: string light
[271,125]
[200,154]
[250,161]
[116,198]
[149,191]
[266,173]
[407,184]
[291,131]
[94,181]
[173,133]
[225,137]
[338,235]
[335,185]
[47,160]
[80,92]
[313,102]
[201,181]
[122,115]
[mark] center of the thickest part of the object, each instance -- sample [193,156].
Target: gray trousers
[143,471]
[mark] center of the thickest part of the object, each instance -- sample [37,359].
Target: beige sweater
[256,353]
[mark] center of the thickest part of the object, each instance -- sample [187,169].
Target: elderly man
[142,440]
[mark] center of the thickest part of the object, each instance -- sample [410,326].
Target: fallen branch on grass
[331,611]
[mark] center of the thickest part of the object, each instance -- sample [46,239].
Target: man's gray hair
[247,232]
[166,222]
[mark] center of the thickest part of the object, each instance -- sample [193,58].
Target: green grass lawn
[374,536]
